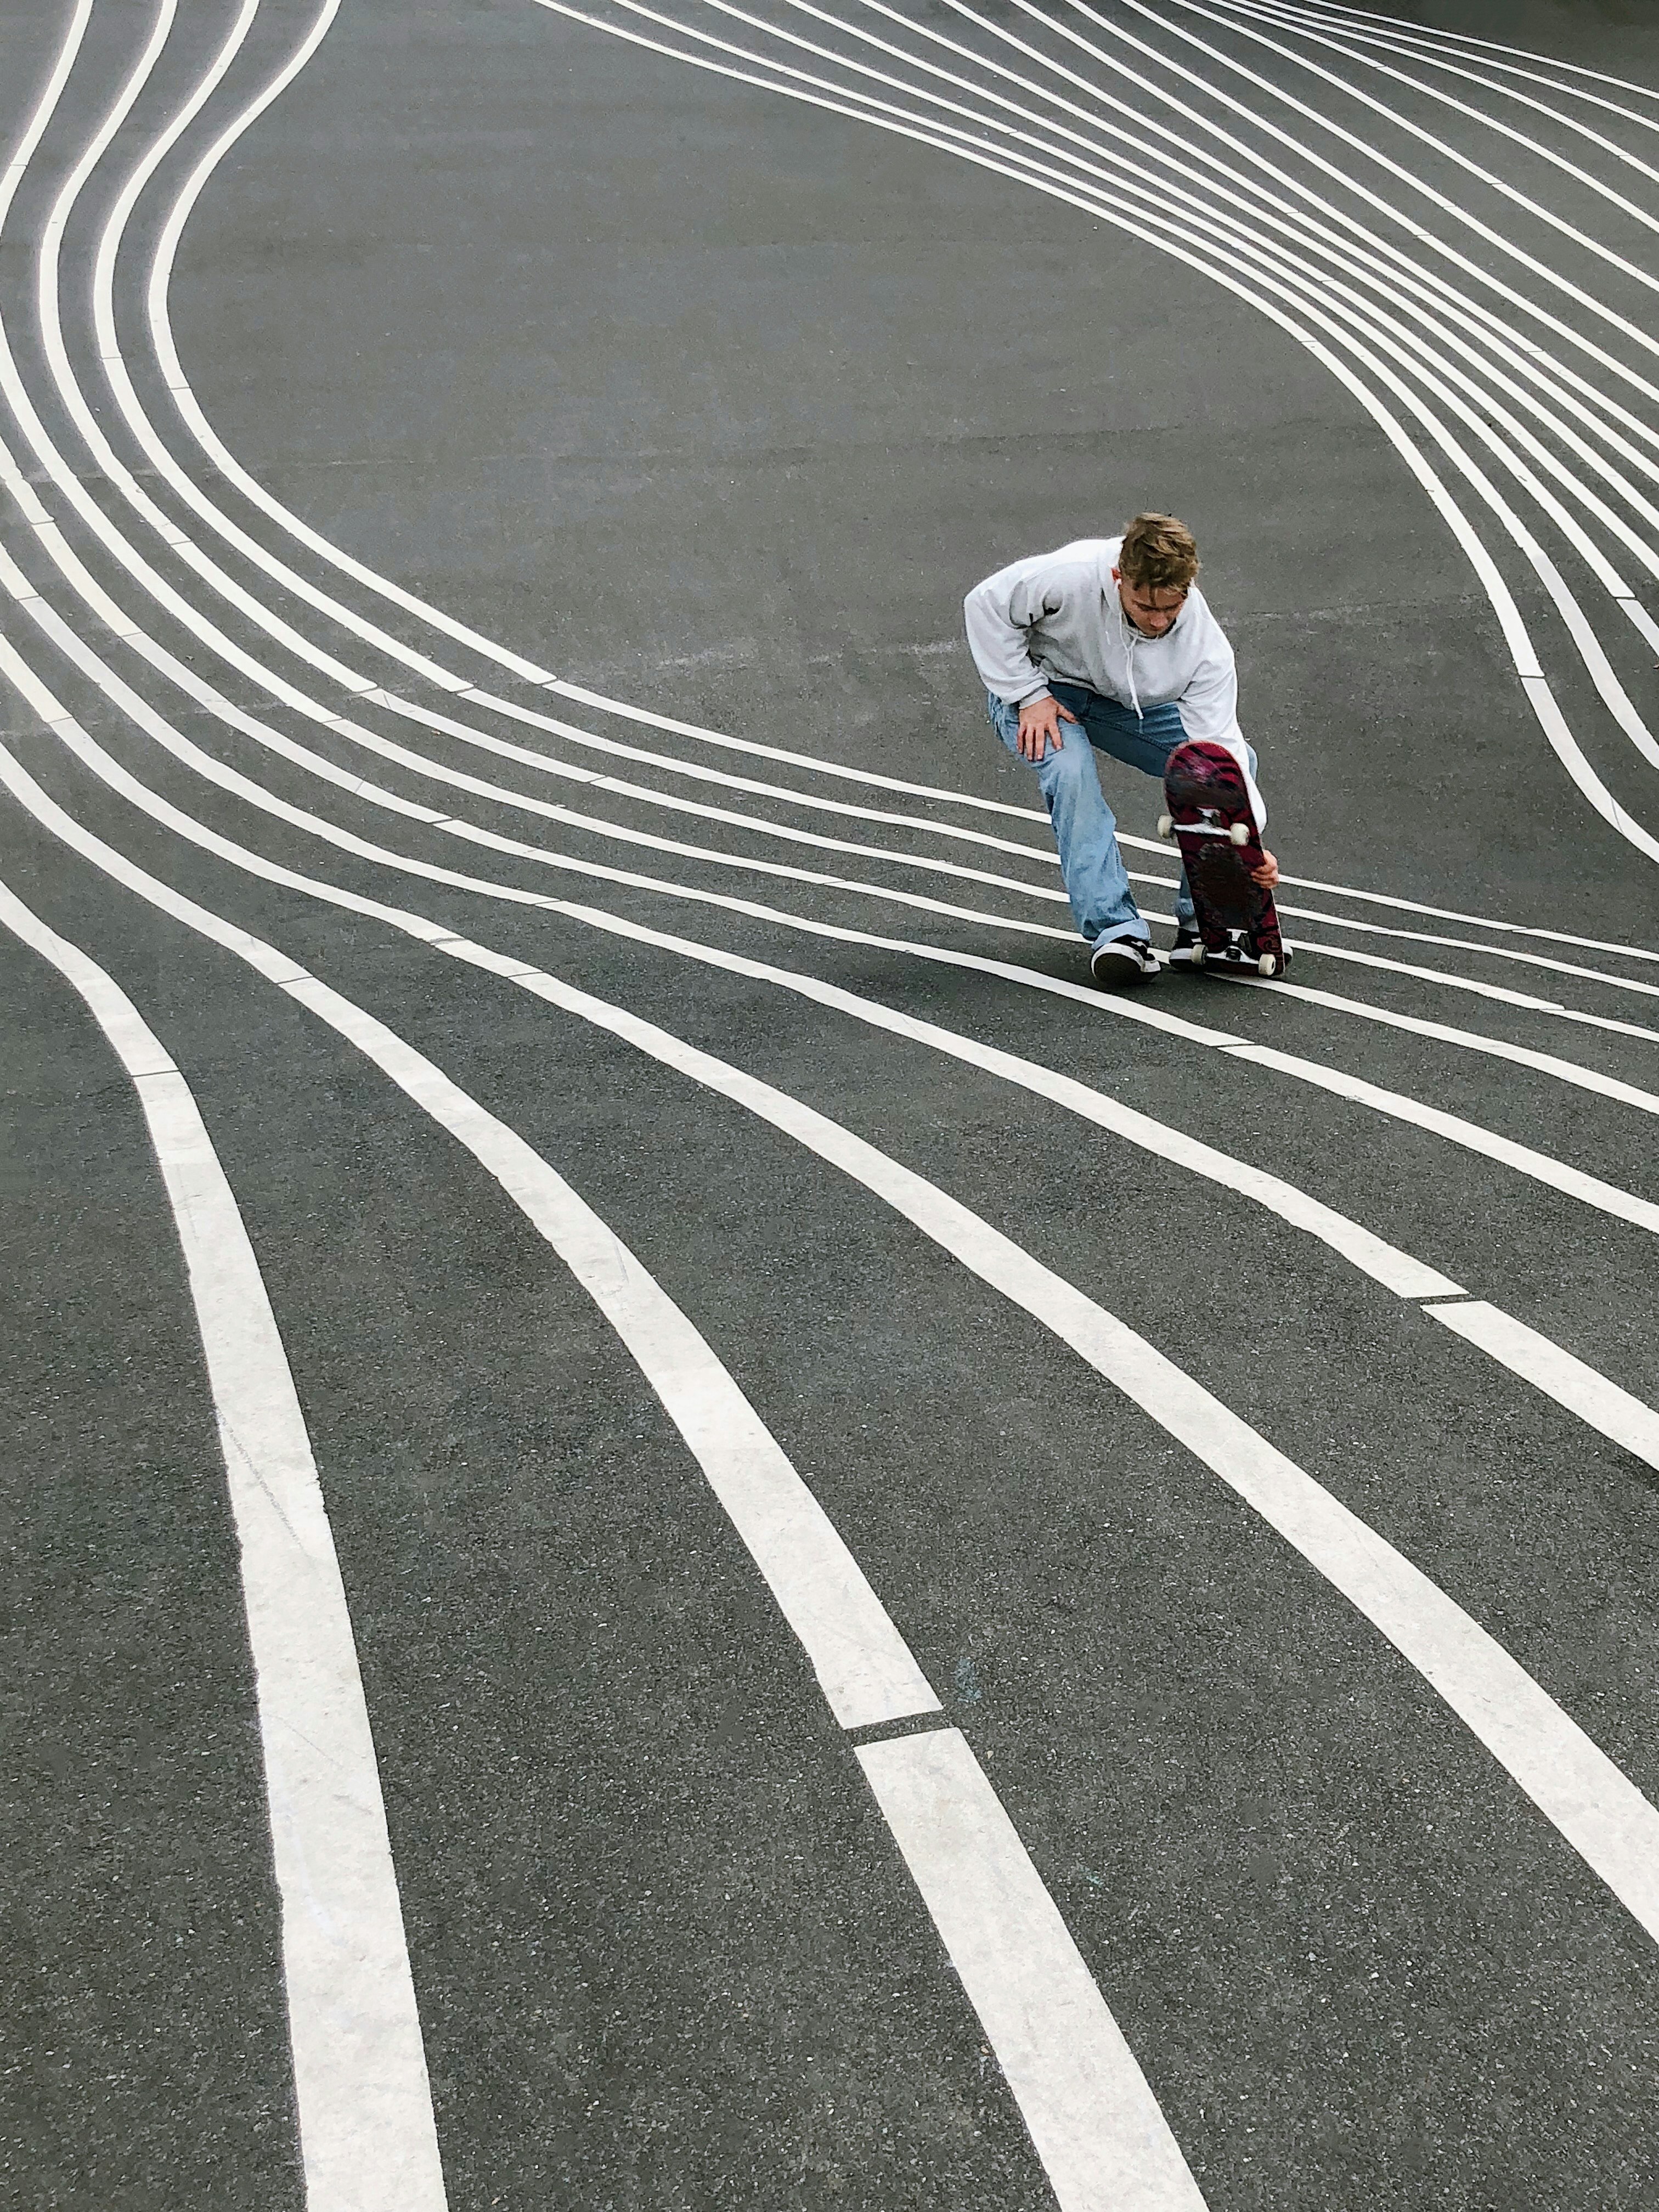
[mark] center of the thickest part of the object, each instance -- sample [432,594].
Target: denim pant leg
[1102,905]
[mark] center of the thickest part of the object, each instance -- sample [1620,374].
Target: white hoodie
[1058,615]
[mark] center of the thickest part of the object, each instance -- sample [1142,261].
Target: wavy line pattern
[1290,154]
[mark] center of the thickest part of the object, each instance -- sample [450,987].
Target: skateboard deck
[1210,819]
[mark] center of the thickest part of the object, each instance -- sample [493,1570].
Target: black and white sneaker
[1180,952]
[1124,962]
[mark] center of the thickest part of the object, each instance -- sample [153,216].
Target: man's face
[1152,611]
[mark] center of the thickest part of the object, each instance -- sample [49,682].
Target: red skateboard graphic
[1210,819]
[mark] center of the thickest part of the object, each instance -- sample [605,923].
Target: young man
[1107,644]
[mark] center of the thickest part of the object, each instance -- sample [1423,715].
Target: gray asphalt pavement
[714,403]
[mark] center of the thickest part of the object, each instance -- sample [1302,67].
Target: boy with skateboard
[1109,643]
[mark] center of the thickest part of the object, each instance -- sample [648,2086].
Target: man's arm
[1000,613]
[1209,710]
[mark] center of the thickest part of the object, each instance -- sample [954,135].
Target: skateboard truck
[1236,833]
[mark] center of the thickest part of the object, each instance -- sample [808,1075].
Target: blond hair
[1157,554]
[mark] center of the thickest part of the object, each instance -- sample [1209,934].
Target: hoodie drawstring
[1128,644]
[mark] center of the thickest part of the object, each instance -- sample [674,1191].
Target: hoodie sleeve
[1000,613]
[1209,709]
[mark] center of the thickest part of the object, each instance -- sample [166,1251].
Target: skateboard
[1210,819]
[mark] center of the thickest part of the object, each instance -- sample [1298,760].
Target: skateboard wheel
[1198,956]
[1166,829]
[1266,965]
[1240,833]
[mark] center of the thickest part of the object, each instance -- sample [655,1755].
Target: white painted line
[1544,1063]
[1573,1182]
[1205,195]
[1460,211]
[368,2137]
[1444,980]
[1599,1403]
[1423,51]
[1096,2125]
[1356,46]
[1458,42]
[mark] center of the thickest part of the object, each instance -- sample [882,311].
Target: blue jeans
[1085,828]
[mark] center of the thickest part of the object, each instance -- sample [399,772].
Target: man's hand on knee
[1039,727]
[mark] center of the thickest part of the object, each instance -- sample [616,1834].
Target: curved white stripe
[80,412]
[1444,912]
[422,765]
[1447,980]
[1590,1801]
[1422,51]
[1207,10]
[1355,47]
[1456,41]
[1563,1070]
[368,2141]
[1349,183]
[1623,1420]
[1063,2060]
[1186,153]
